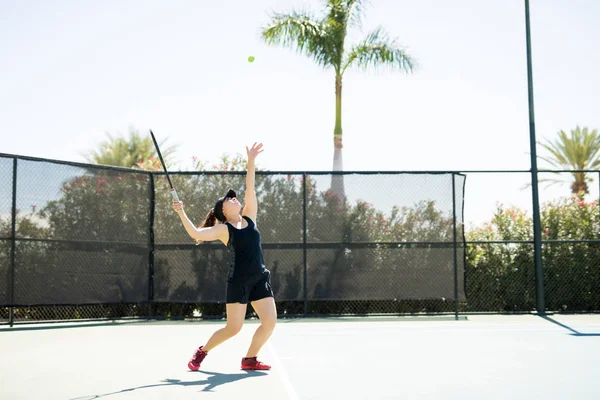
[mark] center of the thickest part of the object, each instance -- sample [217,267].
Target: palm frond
[336,26]
[356,9]
[579,150]
[300,31]
[377,49]
[552,182]
[346,12]
[592,148]
[557,151]
[552,162]
[337,12]
[126,152]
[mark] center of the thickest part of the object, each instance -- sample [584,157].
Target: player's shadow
[574,332]
[212,381]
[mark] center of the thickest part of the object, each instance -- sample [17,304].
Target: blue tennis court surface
[480,357]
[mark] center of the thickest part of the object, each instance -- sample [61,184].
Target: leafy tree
[128,152]
[500,276]
[27,226]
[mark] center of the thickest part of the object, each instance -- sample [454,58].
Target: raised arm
[250,203]
[216,232]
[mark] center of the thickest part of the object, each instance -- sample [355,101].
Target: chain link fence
[383,243]
[500,257]
[572,275]
[84,242]
[89,242]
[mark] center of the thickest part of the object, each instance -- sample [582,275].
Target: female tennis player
[248,279]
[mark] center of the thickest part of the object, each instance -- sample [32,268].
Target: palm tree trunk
[337,181]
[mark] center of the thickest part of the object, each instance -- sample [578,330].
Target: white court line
[287,384]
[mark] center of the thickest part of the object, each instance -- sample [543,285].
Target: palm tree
[122,152]
[323,40]
[579,151]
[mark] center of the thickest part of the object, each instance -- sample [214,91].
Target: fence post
[455,260]
[13,234]
[151,248]
[537,239]
[305,287]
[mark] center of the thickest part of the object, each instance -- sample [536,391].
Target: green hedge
[500,277]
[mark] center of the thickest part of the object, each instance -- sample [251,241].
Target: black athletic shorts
[255,288]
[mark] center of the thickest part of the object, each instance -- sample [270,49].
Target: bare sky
[72,71]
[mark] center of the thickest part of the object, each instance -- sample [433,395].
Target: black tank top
[246,252]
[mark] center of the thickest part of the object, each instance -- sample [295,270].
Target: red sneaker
[253,364]
[196,359]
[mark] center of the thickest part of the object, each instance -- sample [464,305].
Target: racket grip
[174,194]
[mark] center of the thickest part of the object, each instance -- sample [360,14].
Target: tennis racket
[173,191]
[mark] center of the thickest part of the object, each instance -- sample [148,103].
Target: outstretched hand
[254,150]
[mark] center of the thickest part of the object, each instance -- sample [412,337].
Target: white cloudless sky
[72,71]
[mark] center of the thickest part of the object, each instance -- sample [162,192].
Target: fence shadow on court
[574,332]
[214,380]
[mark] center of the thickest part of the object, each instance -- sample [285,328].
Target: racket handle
[174,194]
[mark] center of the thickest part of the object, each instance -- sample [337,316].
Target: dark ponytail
[210,219]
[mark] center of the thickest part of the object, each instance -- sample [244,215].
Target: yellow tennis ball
[251,59]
